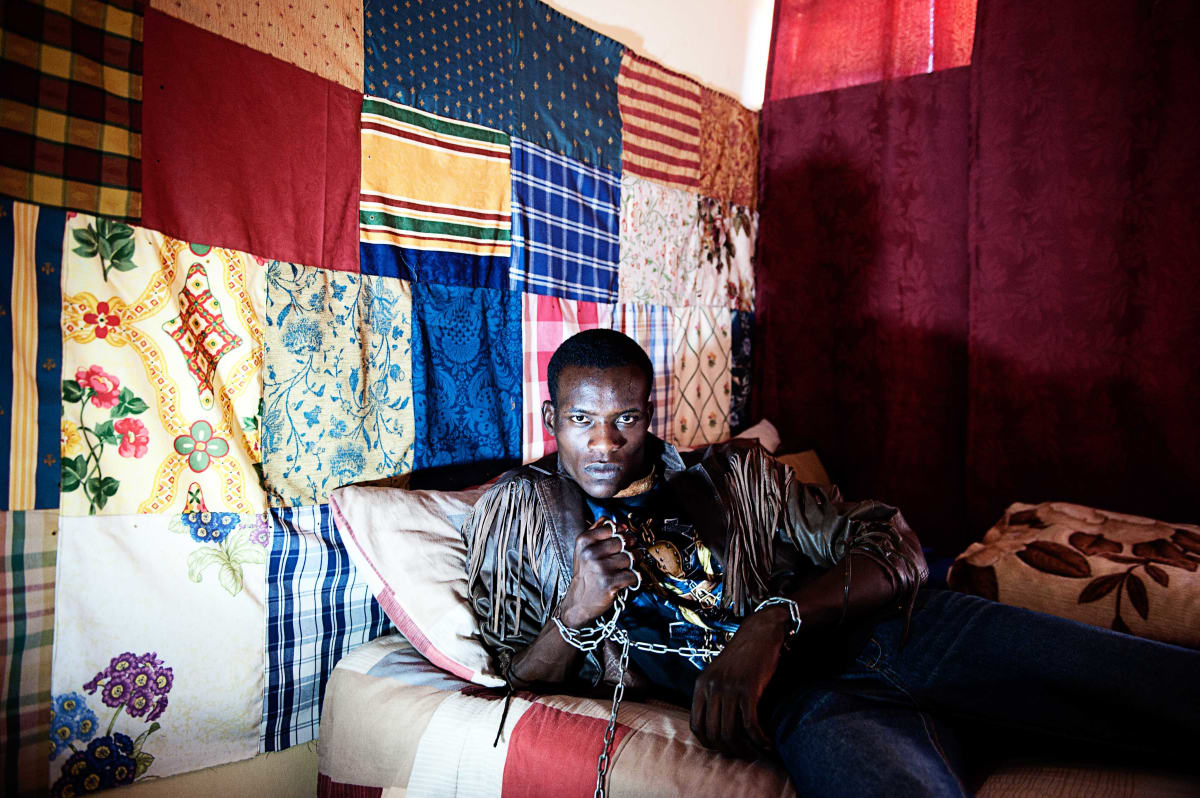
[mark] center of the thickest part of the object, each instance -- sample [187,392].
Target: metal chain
[592,637]
[610,732]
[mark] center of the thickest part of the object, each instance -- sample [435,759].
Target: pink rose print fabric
[162,373]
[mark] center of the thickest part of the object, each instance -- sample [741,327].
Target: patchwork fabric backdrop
[361,276]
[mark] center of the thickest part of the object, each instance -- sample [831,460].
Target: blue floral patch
[337,384]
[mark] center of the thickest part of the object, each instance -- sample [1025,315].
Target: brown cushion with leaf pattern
[1124,572]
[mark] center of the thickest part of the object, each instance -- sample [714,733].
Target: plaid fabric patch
[71,105]
[317,610]
[565,226]
[660,123]
[31,240]
[27,563]
[650,326]
[546,322]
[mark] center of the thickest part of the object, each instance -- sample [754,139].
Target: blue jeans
[887,721]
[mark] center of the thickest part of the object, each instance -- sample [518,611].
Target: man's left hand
[725,703]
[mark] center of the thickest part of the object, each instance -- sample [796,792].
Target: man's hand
[725,703]
[603,568]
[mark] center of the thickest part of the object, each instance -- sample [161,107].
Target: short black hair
[597,349]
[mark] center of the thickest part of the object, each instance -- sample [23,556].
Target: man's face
[600,424]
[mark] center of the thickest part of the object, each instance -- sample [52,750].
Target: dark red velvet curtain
[981,286]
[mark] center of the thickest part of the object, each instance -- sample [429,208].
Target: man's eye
[579,418]
[628,418]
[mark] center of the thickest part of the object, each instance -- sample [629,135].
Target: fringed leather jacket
[769,531]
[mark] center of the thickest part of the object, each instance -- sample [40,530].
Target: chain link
[610,732]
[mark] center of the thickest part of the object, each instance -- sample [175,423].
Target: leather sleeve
[512,582]
[824,528]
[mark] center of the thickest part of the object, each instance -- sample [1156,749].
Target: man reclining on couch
[830,653]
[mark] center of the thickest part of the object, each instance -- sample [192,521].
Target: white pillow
[406,544]
[765,433]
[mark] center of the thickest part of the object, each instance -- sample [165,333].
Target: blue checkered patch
[565,226]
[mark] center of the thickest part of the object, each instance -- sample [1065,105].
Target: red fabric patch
[328,788]
[244,151]
[552,752]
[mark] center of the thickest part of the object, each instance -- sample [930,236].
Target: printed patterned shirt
[678,603]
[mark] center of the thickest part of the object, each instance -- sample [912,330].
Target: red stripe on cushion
[551,752]
[328,788]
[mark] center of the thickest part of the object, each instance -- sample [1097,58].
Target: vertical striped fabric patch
[660,120]
[546,322]
[436,193]
[317,610]
[651,326]
[30,312]
[27,563]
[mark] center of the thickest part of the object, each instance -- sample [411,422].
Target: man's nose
[606,438]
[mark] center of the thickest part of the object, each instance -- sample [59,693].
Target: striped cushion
[548,746]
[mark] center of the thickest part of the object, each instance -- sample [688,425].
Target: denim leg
[985,662]
[860,737]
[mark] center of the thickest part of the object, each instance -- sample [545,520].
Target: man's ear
[549,417]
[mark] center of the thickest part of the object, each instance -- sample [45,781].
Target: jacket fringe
[511,510]
[757,491]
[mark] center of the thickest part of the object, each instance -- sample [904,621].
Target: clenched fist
[604,566]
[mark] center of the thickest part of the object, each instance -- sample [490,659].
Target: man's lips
[602,470]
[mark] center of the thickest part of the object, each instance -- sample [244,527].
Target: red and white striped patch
[660,120]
